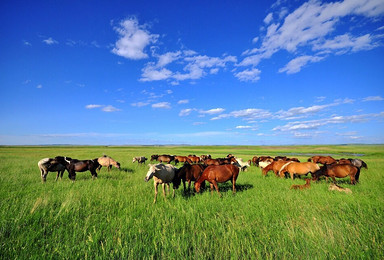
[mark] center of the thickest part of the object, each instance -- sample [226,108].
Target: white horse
[50,165]
[242,165]
[163,174]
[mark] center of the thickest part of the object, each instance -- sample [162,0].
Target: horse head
[151,171]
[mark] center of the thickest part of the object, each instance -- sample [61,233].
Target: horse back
[222,173]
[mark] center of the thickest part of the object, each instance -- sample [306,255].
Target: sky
[191,72]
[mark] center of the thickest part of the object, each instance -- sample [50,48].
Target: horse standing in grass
[74,165]
[163,174]
[51,165]
[190,172]
[339,171]
[298,168]
[220,173]
[108,162]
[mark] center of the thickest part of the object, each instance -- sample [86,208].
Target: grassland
[114,217]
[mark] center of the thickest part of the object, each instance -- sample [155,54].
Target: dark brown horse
[166,158]
[74,165]
[322,159]
[217,174]
[190,172]
[339,171]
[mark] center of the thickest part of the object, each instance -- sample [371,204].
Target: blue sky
[192,72]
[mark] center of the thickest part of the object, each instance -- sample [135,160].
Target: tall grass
[114,217]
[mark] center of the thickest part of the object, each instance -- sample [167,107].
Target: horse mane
[285,165]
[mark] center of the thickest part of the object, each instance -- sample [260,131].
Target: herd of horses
[199,169]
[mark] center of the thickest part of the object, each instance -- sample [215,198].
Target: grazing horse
[298,168]
[154,157]
[322,159]
[339,171]
[220,173]
[165,158]
[242,165]
[209,162]
[264,161]
[108,162]
[140,160]
[190,173]
[74,165]
[194,159]
[183,159]
[51,165]
[275,166]
[163,174]
[255,160]
[307,185]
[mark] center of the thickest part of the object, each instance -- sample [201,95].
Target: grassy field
[114,217]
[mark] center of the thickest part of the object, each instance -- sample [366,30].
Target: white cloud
[246,114]
[183,101]
[296,64]
[300,111]
[268,18]
[39,86]
[212,111]
[252,75]
[373,98]
[104,108]
[134,38]
[163,105]
[185,112]
[140,104]
[92,106]
[346,42]
[50,41]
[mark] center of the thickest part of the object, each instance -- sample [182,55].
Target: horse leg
[189,186]
[291,175]
[154,201]
[210,184]
[43,175]
[353,180]
[233,186]
[99,168]
[216,187]
[57,175]
[357,176]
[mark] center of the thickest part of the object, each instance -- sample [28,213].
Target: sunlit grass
[114,216]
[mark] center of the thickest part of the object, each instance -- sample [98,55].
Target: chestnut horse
[183,159]
[322,159]
[218,173]
[298,168]
[190,172]
[275,166]
[339,171]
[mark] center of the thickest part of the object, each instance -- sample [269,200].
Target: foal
[307,185]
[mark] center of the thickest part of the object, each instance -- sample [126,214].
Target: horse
[74,165]
[339,171]
[209,162]
[165,158]
[298,168]
[255,160]
[51,165]
[307,185]
[108,162]
[163,174]
[264,161]
[140,160]
[274,166]
[194,159]
[218,173]
[190,172]
[242,165]
[154,157]
[322,159]
[183,159]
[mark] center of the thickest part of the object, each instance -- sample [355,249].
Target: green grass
[114,217]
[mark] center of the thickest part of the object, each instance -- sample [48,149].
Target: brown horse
[165,158]
[194,159]
[74,165]
[182,159]
[322,159]
[221,173]
[108,162]
[339,171]
[298,168]
[209,162]
[190,172]
[275,166]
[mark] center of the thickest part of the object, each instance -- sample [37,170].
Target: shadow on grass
[223,187]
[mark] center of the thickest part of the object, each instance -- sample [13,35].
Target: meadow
[114,216]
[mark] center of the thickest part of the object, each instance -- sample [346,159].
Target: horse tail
[364,164]
[357,176]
